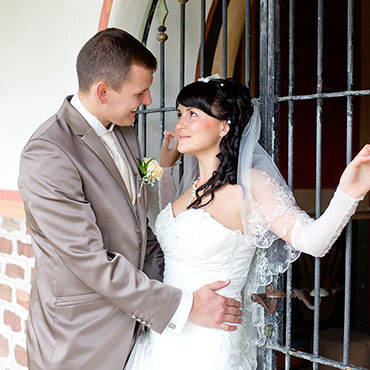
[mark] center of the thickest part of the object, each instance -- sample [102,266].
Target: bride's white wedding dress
[198,250]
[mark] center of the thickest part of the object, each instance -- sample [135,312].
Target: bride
[225,225]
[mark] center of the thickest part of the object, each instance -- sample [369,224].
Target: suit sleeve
[154,259]
[65,224]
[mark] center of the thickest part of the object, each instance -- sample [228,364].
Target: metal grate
[270,100]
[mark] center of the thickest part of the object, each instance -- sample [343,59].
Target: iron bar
[157,110]
[265,354]
[271,78]
[288,314]
[202,35]
[315,360]
[224,38]
[182,44]
[323,95]
[262,72]
[347,293]
[319,104]
[162,88]
[182,61]
[290,93]
[162,12]
[272,144]
[247,31]
[275,49]
[348,252]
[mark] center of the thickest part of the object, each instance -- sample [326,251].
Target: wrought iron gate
[271,99]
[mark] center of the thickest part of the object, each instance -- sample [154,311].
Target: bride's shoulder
[230,191]
[229,194]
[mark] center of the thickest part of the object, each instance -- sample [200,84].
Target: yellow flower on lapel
[150,170]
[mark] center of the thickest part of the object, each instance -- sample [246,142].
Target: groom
[98,264]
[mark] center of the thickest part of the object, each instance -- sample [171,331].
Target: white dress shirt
[181,315]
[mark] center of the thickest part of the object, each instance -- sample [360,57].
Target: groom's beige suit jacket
[96,258]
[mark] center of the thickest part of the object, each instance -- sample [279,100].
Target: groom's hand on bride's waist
[213,310]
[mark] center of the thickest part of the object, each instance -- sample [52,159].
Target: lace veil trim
[268,212]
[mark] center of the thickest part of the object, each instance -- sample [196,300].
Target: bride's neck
[207,165]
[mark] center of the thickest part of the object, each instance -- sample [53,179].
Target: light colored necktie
[120,162]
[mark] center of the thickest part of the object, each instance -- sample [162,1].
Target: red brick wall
[16,271]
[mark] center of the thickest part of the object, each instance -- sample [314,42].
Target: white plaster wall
[40,40]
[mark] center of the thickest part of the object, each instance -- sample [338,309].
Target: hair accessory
[222,84]
[209,78]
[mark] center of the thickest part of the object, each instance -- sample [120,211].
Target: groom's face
[123,104]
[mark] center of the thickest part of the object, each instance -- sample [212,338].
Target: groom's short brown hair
[108,56]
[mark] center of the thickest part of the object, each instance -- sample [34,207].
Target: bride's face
[197,131]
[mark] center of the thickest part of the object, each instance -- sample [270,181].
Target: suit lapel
[88,136]
[96,146]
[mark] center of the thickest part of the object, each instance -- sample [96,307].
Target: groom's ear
[101,89]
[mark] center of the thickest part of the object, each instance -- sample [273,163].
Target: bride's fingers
[232,302]
[233,311]
[365,150]
[233,319]
[168,155]
[169,134]
[227,327]
[363,156]
[166,140]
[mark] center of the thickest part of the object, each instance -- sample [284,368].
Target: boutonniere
[150,171]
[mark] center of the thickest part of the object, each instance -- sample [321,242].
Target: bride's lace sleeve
[167,188]
[281,217]
[280,230]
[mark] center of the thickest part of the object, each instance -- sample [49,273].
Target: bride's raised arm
[168,157]
[273,207]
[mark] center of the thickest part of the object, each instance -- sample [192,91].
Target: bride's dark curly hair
[223,99]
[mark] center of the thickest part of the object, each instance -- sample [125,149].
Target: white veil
[266,205]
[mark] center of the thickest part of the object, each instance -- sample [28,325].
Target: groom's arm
[154,259]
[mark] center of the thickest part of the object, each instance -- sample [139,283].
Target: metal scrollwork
[162,12]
